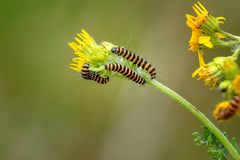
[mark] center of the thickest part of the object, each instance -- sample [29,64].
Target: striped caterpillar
[87,74]
[224,112]
[139,61]
[129,73]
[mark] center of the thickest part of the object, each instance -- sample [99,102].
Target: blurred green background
[49,112]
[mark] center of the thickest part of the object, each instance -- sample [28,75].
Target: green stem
[236,53]
[229,35]
[200,116]
[228,43]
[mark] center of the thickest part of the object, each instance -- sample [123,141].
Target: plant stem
[230,35]
[228,43]
[236,53]
[200,116]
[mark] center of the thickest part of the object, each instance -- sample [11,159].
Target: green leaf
[214,147]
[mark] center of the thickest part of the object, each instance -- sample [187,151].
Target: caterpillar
[96,77]
[129,73]
[225,112]
[139,61]
[87,74]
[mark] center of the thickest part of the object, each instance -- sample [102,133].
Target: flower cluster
[99,62]
[222,72]
[205,29]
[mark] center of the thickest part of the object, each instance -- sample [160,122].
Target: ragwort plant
[100,62]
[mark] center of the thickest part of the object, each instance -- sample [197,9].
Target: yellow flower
[88,51]
[218,70]
[203,20]
[198,40]
[202,14]
[204,27]
[236,85]
[209,73]
[84,43]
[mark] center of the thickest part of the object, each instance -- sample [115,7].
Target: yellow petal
[78,40]
[190,21]
[205,40]
[75,69]
[73,45]
[196,72]
[85,34]
[196,10]
[220,35]
[202,7]
[200,58]
[221,18]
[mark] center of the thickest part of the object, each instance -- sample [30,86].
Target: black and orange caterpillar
[126,71]
[87,74]
[139,61]
[225,113]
